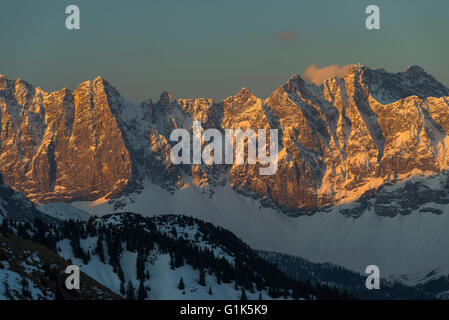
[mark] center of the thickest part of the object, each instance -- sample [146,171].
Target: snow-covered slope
[398,245]
[168,257]
[164,280]
[30,271]
[63,211]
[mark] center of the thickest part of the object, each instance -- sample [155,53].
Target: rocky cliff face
[62,145]
[352,135]
[339,142]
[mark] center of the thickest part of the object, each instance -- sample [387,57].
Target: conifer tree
[181,285]
[142,293]
[286,293]
[172,262]
[130,295]
[58,293]
[100,250]
[140,266]
[243,295]
[202,280]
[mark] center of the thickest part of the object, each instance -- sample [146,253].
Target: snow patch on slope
[164,282]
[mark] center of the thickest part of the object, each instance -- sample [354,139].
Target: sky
[210,48]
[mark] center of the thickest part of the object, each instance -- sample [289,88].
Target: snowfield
[164,282]
[398,245]
[63,211]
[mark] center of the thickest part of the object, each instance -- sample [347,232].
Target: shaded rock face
[338,142]
[15,206]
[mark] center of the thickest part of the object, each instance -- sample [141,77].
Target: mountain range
[338,142]
[362,179]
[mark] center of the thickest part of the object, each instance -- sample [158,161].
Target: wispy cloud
[287,35]
[318,75]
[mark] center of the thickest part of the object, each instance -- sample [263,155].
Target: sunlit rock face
[347,140]
[62,145]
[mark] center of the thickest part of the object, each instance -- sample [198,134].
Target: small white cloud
[319,75]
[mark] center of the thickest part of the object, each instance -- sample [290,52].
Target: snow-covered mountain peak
[99,78]
[357,67]
[295,80]
[243,95]
[388,87]
[20,82]
[244,91]
[297,86]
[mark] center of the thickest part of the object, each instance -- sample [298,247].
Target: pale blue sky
[213,48]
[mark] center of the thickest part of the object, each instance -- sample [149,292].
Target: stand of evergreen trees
[138,234]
